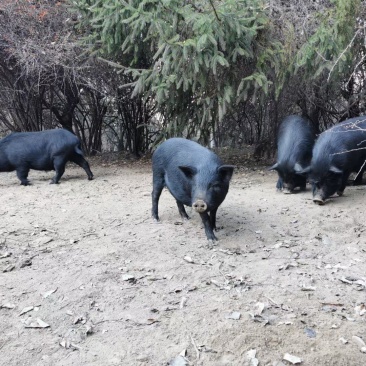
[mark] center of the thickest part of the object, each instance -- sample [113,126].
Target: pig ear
[300,170]
[335,170]
[226,172]
[274,167]
[188,171]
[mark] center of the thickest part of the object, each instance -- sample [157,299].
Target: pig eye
[216,186]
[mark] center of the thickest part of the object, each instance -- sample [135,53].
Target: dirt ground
[87,277]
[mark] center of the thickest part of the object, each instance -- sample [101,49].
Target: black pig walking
[44,150]
[194,175]
[295,143]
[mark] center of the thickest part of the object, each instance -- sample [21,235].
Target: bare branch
[342,53]
[214,9]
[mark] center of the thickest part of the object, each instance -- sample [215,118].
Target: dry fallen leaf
[345,280]
[235,315]
[26,263]
[79,319]
[251,359]
[259,318]
[361,284]
[26,310]
[178,361]
[360,309]
[151,321]
[288,266]
[293,359]
[77,334]
[216,283]
[43,240]
[66,343]
[308,288]
[48,293]
[278,363]
[9,268]
[39,323]
[259,307]
[360,343]
[128,277]
[182,302]
[188,259]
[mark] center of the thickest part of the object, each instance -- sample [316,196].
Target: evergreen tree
[194,58]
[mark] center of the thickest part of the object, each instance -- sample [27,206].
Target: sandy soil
[115,288]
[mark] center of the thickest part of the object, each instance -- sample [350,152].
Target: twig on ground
[195,347]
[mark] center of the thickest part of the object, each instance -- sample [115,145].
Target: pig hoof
[212,242]
[212,238]
[287,191]
[340,193]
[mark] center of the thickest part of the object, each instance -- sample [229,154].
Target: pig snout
[318,199]
[199,206]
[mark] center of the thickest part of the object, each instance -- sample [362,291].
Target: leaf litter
[286,287]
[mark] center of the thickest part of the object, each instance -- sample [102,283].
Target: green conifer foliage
[196,59]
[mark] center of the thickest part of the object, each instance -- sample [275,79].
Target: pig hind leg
[79,160]
[182,211]
[22,174]
[59,165]
[158,185]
